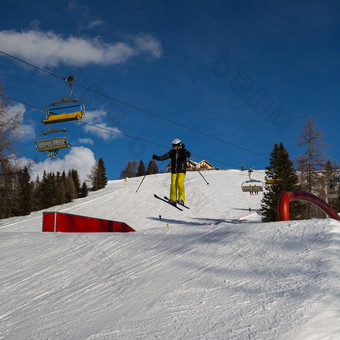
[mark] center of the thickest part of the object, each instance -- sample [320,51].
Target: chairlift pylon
[53,145]
[65,109]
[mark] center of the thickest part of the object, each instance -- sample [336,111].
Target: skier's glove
[154,157]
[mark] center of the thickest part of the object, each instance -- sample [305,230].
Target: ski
[181,205]
[167,201]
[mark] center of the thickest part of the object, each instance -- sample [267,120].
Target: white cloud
[95,116]
[101,128]
[74,5]
[15,109]
[26,130]
[79,158]
[95,23]
[147,43]
[18,162]
[88,141]
[35,24]
[48,48]
[103,131]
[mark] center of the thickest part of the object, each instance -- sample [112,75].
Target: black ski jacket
[178,159]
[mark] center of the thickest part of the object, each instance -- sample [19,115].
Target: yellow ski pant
[177,186]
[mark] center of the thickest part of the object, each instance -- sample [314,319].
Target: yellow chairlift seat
[64,117]
[61,110]
[273,180]
[51,144]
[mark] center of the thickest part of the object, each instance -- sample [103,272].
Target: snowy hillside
[211,272]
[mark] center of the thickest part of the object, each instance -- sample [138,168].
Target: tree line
[19,195]
[135,169]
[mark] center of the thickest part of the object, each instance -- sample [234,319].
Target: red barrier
[67,223]
[288,196]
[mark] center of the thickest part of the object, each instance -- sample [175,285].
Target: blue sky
[248,73]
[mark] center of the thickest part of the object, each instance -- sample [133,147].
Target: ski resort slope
[211,272]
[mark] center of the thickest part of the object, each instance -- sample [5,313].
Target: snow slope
[196,274]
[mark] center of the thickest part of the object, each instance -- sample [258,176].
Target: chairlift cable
[153,143]
[22,102]
[31,65]
[137,108]
[119,133]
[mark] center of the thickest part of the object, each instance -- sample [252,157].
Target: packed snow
[211,272]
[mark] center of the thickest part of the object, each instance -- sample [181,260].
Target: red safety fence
[68,223]
[288,196]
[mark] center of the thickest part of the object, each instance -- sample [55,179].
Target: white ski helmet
[176,141]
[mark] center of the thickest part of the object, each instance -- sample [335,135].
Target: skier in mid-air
[178,156]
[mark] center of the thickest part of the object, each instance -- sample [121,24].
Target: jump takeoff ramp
[68,223]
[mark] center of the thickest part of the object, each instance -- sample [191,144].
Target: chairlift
[252,185]
[53,145]
[333,194]
[333,189]
[273,180]
[65,109]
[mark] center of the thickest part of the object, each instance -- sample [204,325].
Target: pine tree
[6,188]
[130,170]
[141,169]
[36,195]
[60,190]
[76,181]
[126,171]
[102,179]
[83,190]
[284,177]
[152,168]
[71,192]
[45,194]
[64,187]
[98,175]
[24,193]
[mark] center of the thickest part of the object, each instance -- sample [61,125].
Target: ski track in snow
[196,274]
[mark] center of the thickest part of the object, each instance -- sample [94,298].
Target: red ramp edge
[68,223]
[288,196]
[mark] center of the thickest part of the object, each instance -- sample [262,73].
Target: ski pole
[201,175]
[146,172]
[141,182]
